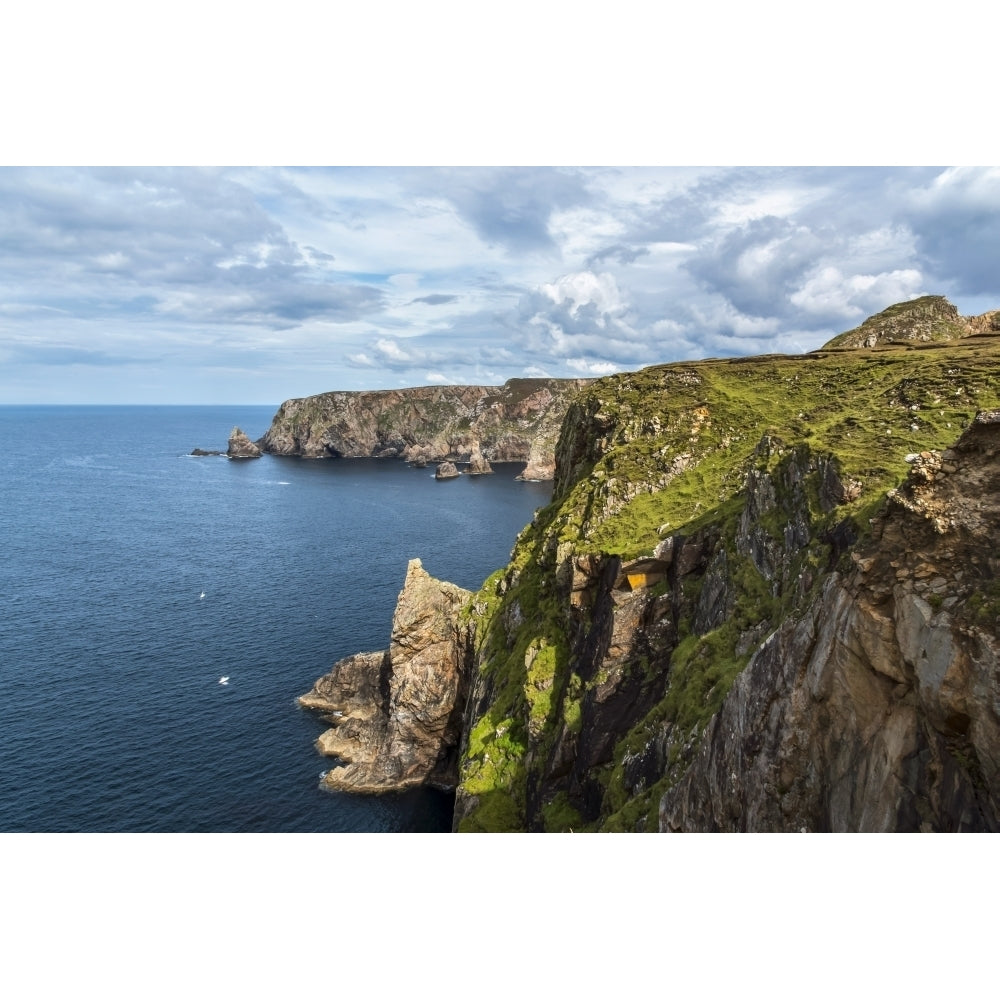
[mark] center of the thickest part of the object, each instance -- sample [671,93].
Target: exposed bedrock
[878,708]
[396,714]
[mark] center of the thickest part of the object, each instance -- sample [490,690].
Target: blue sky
[258,284]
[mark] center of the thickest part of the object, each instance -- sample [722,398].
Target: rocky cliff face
[877,707]
[516,422]
[765,597]
[706,629]
[396,714]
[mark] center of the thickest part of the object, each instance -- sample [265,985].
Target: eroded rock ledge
[397,714]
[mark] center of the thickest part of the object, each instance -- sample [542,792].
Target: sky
[169,283]
[253,285]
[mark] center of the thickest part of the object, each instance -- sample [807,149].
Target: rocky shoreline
[444,426]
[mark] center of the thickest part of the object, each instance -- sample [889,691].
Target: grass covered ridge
[667,451]
[681,446]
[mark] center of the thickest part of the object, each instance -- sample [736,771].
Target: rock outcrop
[541,463]
[478,464]
[516,422]
[446,470]
[928,319]
[396,714]
[878,707]
[240,446]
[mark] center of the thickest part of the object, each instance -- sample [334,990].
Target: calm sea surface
[133,576]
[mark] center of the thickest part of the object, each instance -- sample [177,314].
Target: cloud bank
[254,285]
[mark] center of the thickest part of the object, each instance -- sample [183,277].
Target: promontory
[516,422]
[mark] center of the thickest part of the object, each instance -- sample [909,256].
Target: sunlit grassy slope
[867,409]
[667,451]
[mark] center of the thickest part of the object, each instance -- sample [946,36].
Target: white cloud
[972,186]
[720,320]
[581,231]
[586,288]
[115,261]
[831,293]
[591,368]
[358,278]
[391,351]
[758,204]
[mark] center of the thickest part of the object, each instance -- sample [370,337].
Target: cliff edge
[875,708]
[705,630]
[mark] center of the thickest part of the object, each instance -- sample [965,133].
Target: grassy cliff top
[676,450]
[928,319]
[671,443]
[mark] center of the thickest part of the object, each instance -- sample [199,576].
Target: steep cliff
[765,596]
[876,706]
[706,630]
[516,422]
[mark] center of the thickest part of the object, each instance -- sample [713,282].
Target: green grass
[667,451]
[854,406]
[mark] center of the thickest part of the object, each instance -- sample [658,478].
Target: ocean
[134,576]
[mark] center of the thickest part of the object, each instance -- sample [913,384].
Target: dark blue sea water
[111,714]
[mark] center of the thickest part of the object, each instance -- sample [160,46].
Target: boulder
[446,470]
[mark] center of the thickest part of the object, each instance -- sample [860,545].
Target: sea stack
[446,470]
[478,465]
[240,446]
[397,714]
